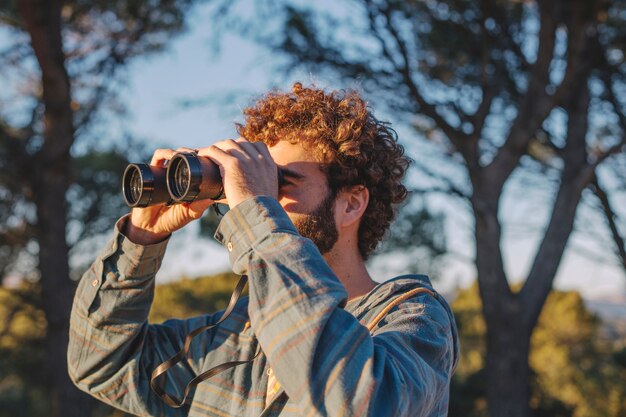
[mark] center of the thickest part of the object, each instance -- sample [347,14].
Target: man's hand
[154,224]
[247,169]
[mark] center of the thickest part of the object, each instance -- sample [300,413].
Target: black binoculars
[187,177]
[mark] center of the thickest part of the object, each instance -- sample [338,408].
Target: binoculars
[187,177]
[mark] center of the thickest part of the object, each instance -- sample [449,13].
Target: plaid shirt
[321,354]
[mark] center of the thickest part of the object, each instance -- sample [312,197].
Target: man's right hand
[154,224]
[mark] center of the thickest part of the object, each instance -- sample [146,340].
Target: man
[331,341]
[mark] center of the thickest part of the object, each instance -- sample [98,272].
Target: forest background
[513,111]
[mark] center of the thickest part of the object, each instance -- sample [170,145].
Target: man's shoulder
[402,295]
[413,292]
[386,291]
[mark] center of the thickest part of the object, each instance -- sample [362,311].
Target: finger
[263,149]
[217,155]
[231,148]
[222,144]
[225,145]
[184,149]
[202,151]
[161,155]
[251,150]
[257,150]
[198,207]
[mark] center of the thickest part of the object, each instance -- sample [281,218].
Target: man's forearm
[108,327]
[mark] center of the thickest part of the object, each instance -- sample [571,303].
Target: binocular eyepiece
[186,178]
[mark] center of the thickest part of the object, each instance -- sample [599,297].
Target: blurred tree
[574,372]
[60,61]
[415,242]
[193,297]
[524,102]
[22,353]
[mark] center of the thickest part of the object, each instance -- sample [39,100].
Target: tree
[574,371]
[509,92]
[414,242]
[61,67]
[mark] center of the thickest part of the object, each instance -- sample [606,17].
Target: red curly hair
[353,146]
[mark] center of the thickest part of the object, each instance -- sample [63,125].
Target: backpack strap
[397,301]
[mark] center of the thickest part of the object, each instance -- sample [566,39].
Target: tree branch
[500,17]
[561,223]
[610,216]
[537,103]
[534,107]
[460,140]
[441,190]
[448,188]
[612,99]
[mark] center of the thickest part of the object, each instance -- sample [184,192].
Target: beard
[319,225]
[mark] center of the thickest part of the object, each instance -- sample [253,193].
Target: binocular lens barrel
[144,185]
[191,178]
[187,178]
[181,180]
[136,186]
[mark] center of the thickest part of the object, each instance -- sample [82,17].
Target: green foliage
[192,297]
[22,354]
[574,372]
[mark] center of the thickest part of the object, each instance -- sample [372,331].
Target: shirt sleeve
[112,348]
[326,360]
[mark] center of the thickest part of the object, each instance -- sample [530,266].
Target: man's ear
[352,203]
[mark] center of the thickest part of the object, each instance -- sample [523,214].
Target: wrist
[142,236]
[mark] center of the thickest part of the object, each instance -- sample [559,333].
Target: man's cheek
[292,206]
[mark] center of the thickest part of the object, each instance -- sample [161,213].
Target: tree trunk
[52,175]
[508,337]
[507,367]
[57,290]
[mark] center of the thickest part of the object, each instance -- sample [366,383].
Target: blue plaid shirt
[324,359]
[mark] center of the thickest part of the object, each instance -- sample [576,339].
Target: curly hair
[353,147]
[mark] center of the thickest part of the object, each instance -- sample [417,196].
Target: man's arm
[112,349]
[323,357]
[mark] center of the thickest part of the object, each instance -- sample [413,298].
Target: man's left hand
[247,169]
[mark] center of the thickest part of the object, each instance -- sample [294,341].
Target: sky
[189,72]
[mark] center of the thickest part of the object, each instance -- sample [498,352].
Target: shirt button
[94,282]
[229,246]
[269,371]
